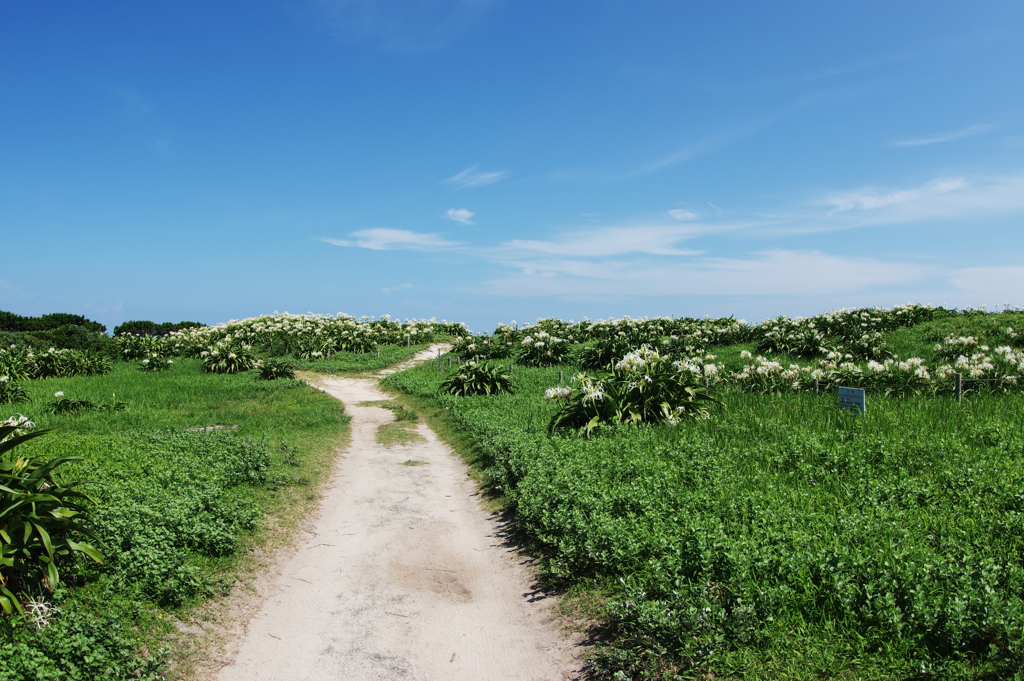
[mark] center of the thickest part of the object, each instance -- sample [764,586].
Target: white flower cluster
[635,361]
[334,332]
[20,424]
[558,393]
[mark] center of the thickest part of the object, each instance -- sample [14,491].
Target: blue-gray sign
[853,399]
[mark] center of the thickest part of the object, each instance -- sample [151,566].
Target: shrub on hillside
[273,369]
[136,347]
[55,362]
[227,359]
[148,328]
[644,387]
[475,378]
[541,349]
[13,322]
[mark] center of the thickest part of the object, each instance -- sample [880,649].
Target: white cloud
[470,177]
[940,200]
[775,272]
[608,241]
[392,289]
[460,215]
[949,136]
[869,199]
[1002,283]
[682,214]
[381,239]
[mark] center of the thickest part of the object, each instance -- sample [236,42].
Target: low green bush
[643,387]
[154,361]
[41,520]
[11,391]
[273,369]
[62,363]
[227,359]
[476,378]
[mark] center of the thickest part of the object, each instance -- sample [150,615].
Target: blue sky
[495,160]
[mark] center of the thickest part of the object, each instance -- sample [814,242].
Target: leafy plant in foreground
[224,359]
[272,369]
[11,391]
[136,347]
[644,387]
[38,518]
[66,405]
[64,363]
[155,362]
[474,378]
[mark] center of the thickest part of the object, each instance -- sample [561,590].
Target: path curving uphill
[403,575]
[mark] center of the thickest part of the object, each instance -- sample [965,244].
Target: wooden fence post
[817,387]
[958,387]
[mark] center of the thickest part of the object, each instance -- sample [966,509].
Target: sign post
[852,399]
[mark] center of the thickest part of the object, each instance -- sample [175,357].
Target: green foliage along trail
[185,471]
[780,538]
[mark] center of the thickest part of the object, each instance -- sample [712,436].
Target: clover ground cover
[781,538]
[186,471]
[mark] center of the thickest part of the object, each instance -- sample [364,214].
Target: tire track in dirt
[403,576]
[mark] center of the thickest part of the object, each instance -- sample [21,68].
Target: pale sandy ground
[403,576]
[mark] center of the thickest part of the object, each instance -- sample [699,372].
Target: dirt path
[403,576]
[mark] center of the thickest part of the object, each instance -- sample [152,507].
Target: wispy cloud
[871,199]
[727,137]
[611,241]
[393,289]
[471,177]
[949,136]
[942,199]
[398,25]
[683,214]
[773,272]
[381,239]
[460,215]
[1001,283]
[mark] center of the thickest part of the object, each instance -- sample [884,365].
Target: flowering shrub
[603,352]
[857,332]
[155,362]
[273,369]
[475,378]
[132,346]
[1002,370]
[11,391]
[476,347]
[952,347]
[227,359]
[541,349]
[17,362]
[66,362]
[627,332]
[644,387]
[307,335]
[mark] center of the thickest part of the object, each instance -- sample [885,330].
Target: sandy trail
[403,576]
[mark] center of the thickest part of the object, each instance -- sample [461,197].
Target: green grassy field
[178,504]
[781,538]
